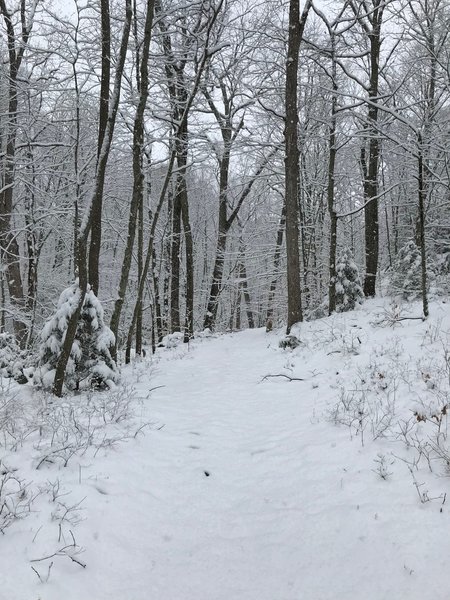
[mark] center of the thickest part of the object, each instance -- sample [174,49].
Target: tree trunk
[180,215]
[330,184]
[9,246]
[247,299]
[167,261]
[181,123]
[371,224]
[219,261]
[276,264]
[423,253]
[296,27]
[96,227]
[82,236]
[63,359]
[189,319]
[225,223]
[2,300]
[138,175]
[140,258]
[158,320]
[175,249]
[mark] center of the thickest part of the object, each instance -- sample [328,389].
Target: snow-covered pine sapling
[406,272]
[95,339]
[11,358]
[349,291]
[289,342]
[52,339]
[9,352]
[90,362]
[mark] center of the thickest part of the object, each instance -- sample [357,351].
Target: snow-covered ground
[246,487]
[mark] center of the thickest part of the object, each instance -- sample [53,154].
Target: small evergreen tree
[406,274]
[349,291]
[90,362]
[95,339]
[11,358]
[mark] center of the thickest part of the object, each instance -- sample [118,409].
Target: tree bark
[179,97]
[8,241]
[138,175]
[276,264]
[182,122]
[140,259]
[225,223]
[175,250]
[85,226]
[96,228]
[332,152]
[292,173]
[371,217]
[423,253]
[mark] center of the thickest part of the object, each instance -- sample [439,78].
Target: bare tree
[96,228]
[370,18]
[17,42]
[138,172]
[292,175]
[85,225]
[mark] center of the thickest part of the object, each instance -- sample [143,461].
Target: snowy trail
[291,509]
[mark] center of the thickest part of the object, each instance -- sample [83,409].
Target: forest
[224,299]
[216,165]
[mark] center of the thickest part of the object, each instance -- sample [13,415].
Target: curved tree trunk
[85,226]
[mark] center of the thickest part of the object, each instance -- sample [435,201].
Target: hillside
[230,469]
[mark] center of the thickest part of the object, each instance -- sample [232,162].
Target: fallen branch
[282,375]
[156,388]
[391,320]
[44,579]
[64,551]
[411,319]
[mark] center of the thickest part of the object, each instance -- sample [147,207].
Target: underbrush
[402,397]
[39,436]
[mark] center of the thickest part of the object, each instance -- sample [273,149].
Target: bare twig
[48,573]
[155,388]
[64,551]
[282,375]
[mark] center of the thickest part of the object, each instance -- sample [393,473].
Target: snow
[248,489]
[90,362]
[10,359]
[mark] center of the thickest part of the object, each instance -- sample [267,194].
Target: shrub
[406,272]
[289,341]
[349,290]
[12,358]
[90,362]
